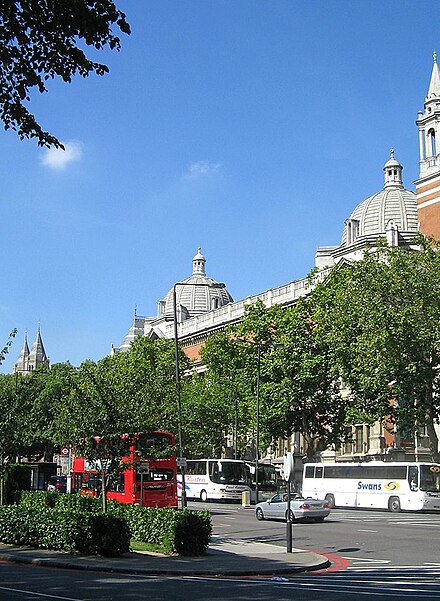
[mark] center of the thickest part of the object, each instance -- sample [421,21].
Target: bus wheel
[203,496]
[330,500]
[394,504]
[259,514]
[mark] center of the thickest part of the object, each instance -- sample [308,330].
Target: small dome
[198,293]
[370,218]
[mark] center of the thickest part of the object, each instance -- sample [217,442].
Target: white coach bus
[394,486]
[215,479]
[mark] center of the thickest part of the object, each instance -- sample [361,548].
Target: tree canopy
[44,39]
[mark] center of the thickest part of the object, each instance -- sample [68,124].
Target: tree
[298,390]
[43,39]
[4,351]
[381,316]
[14,413]
[119,395]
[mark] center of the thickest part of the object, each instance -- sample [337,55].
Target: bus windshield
[148,443]
[225,472]
[430,478]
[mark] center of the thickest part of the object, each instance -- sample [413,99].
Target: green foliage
[192,532]
[71,531]
[84,528]
[17,479]
[39,499]
[184,532]
[4,351]
[41,40]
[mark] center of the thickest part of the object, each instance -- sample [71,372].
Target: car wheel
[203,496]
[319,519]
[259,514]
[292,516]
[331,500]
[394,504]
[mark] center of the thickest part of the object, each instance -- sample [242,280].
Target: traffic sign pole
[288,473]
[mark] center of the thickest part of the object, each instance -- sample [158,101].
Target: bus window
[309,471]
[318,472]
[117,483]
[413,477]
[430,478]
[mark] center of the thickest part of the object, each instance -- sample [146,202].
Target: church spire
[428,122]
[22,363]
[434,84]
[38,356]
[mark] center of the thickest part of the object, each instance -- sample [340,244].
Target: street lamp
[257,416]
[258,345]
[176,358]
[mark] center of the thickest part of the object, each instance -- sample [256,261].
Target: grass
[137,545]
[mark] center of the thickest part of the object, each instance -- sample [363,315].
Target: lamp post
[176,358]
[257,414]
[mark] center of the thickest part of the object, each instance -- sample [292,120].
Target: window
[309,471]
[359,439]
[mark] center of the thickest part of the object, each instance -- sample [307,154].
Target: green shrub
[192,532]
[17,478]
[78,502]
[38,498]
[185,532]
[51,528]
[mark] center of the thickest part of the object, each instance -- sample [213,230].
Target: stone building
[393,213]
[29,360]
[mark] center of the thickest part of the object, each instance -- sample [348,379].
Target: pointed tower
[37,356]
[428,184]
[22,364]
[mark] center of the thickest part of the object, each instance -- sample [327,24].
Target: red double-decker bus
[150,477]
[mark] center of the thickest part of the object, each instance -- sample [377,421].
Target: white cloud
[56,158]
[201,169]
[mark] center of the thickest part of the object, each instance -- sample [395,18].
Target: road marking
[18,590]
[368,559]
[367,530]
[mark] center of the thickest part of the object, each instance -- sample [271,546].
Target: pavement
[225,557]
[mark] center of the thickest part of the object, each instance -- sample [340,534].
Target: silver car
[300,508]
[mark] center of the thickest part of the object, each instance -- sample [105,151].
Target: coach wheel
[330,500]
[203,496]
[394,504]
[259,514]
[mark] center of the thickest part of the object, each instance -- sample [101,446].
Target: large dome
[198,293]
[392,207]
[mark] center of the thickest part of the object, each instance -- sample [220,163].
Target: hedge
[72,531]
[177,531]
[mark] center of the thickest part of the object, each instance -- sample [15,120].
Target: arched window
[432,145]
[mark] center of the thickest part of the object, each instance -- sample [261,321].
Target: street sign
[64,451]
[181,462]
[143,468]
[288,466]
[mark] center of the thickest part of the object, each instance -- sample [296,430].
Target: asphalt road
[386,556]
[364,538]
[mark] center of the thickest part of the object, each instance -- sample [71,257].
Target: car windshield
[430,478]
[227,472]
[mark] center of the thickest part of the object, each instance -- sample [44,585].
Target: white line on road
[18,590]
[367,530]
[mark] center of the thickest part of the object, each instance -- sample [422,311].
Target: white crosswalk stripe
[403,582]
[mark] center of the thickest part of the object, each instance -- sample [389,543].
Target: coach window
[413,478]
[318,472]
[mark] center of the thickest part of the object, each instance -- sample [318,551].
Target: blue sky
[251,128]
